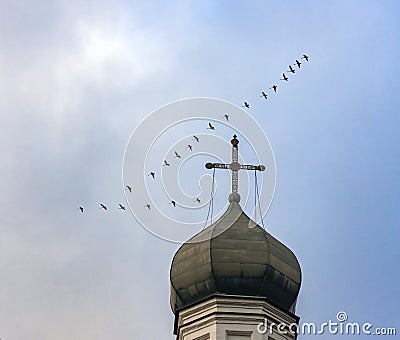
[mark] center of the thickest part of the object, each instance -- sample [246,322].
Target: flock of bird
[284,78]
[104,207]
[152,174]
[196,139]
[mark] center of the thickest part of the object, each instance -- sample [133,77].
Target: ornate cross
[235,166]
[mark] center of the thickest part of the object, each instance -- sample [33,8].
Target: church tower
[233,280]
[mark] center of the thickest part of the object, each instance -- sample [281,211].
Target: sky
[77,78]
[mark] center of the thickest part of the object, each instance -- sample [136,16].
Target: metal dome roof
[233,258]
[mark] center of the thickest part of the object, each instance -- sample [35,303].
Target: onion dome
[234,256]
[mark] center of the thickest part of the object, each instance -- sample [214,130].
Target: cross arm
[252,167]
[217,165]
[232,166]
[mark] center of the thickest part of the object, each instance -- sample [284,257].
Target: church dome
[237,257]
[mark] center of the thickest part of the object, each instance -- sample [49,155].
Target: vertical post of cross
[235,166]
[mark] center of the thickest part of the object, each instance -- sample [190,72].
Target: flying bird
[121,207]
[102,206]
[128,188]
[166,163]
[274,87]
[298,63]
[226,117]
[210,127]
[152,174]
[291,69]
[177,155]
[284,77]
[263,94]
[147,206]
[305,57]
[198,200]
[196,138]
[246,105]
[190,147]
[80,208]
[173,203]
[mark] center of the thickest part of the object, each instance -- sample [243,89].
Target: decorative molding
[239,333]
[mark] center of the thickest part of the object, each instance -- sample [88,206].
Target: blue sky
[77,78]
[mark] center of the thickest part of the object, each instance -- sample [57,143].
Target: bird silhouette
[226,117]
[190,147]
[274,87]
[147,206]
[291,69]
[246,105]
[263,94]
[305,57]
[166,163]
[102,206]
[196,138]
[177,155]
[284,77]
[152,174]
[210,127]
[298,63]
[198,200]
[129,188]
[80,208]
[121,207]
[173,203]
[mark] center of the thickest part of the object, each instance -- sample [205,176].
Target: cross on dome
[235,166]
